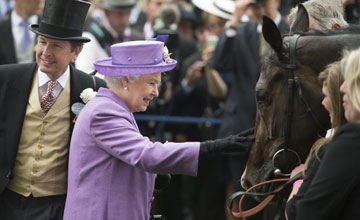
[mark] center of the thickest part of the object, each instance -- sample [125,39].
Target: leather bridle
[293,83]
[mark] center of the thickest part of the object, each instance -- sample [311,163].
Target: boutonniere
[86,95]
[166,55]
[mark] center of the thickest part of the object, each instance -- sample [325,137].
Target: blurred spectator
[5,6]
[352,11]
[17,42]
[138,17]
[188,19]
[284,7]
[109,25]
[152,10]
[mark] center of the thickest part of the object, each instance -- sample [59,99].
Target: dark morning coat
[15,85]
[7,48]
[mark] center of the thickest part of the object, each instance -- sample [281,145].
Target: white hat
[220,8]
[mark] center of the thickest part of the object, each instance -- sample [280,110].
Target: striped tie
[49,98]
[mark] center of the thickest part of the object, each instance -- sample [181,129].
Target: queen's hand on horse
[232,144]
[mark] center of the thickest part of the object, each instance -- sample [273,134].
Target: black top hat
[63,20]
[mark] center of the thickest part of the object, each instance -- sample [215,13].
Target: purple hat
[136,58]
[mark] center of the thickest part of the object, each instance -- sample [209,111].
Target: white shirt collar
[277,22]
[16,19]
[43,78]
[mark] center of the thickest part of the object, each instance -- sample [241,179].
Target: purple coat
[112,166]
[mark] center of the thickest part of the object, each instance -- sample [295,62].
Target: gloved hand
[234,143]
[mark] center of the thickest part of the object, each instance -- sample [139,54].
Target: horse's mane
[352,29]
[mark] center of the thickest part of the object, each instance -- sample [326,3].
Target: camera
[211,41]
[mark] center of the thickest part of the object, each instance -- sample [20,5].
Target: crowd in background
[198,86]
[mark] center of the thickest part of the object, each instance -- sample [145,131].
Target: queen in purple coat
[112,167]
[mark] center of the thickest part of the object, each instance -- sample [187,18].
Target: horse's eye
[277,77]
[262,98]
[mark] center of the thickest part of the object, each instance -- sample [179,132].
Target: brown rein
[269,196]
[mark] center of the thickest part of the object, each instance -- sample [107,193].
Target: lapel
[16,99]
[78,82]
[34,100]
[7,42]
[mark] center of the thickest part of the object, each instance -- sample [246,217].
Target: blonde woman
[335,190]
[331,79]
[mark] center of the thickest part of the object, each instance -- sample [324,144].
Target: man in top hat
[114,27]
[39,102]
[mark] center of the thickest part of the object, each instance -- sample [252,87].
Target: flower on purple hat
[166,55]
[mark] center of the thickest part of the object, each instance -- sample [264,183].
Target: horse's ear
[302,22]
[272,34]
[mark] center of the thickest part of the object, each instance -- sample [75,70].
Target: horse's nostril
[245,184]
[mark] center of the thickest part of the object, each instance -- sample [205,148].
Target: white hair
[115,81]
[324,12]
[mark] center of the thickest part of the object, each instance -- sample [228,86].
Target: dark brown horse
[289,115]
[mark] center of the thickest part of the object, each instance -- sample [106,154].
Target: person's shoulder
[5,19]
[348,130]
[85,77]
[346,138]
[17,68]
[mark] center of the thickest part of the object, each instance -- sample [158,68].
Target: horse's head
[290,116]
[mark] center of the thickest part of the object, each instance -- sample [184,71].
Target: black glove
[234,143]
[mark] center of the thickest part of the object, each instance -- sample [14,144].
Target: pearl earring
[125,88]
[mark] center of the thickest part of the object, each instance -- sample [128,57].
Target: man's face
[53,56]
[265,8]
[216,24]
[153,9]
[257,11]
[119,20]
[31,7]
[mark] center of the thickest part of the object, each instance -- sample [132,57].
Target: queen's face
[142,91]
[351,114]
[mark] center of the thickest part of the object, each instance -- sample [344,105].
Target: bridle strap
[269,196]
[293,79]
[308,107]
[291,82]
